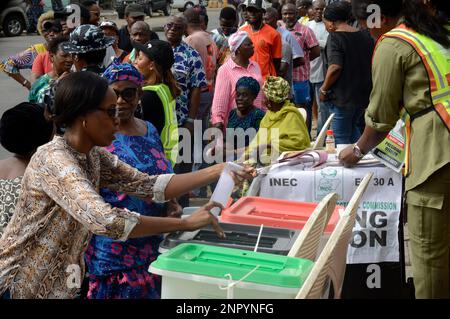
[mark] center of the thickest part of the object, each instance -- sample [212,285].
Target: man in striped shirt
[308,41]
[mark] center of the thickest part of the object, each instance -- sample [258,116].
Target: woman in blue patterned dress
[119,269]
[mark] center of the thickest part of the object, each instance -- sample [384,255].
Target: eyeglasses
[128,94]
[111,112]
[173,26]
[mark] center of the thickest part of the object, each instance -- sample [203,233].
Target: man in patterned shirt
[190,74]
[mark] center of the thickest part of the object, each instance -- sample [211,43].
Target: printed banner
[375,235]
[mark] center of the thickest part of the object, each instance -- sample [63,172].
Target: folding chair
[330,266]
[307,244]
[320,140]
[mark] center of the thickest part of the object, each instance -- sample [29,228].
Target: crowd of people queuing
[95,177]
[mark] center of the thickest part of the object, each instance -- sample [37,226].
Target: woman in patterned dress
[119,269]
[23,129]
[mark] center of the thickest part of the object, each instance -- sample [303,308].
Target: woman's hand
[174,210]
[347,157]
[203,217]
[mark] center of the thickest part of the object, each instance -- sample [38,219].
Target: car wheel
[150,10]
[188,5]
[168,9]
[13,25]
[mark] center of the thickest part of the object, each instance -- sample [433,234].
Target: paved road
[12,93]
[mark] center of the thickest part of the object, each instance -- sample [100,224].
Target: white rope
[230,287]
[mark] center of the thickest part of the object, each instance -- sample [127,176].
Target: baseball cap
[158,51]
[258,4]
[109,24]
[134,10]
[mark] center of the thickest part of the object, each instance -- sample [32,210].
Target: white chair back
[307,243]
[330,266]
[320,140]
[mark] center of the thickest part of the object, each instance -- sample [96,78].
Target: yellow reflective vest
[436,60]
[169,133]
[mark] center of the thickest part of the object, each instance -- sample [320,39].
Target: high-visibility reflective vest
[169,133]
[436,60]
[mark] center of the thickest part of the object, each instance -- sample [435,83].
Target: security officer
[411,71]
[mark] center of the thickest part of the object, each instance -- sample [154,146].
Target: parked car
[48,4]
[183,5]
[150,6]
[13,18]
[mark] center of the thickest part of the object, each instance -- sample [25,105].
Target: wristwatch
[25,83]
[357,151]
[323,92]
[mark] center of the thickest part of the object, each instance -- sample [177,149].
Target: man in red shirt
[266,40]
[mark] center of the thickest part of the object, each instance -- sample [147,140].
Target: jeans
[346,123]
[324,107]
[302,97]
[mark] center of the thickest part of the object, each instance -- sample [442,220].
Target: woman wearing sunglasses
[154,61]
[42,248]
[119,269]
[24,60]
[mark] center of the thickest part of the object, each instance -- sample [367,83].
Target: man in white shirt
[317,65]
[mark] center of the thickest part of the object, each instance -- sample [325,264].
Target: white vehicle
[183,5]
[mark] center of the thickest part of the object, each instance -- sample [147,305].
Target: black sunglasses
[128,94]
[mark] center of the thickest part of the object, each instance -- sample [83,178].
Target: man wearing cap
[67,12]
[133,13]
[110,29]
[267,41]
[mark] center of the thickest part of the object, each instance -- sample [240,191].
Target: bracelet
[190,120]
[25,82]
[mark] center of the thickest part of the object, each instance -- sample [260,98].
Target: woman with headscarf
[283,128]
[229,73]
[119,269]
[24,60]
[246,115]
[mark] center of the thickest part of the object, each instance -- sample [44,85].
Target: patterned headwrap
[276,89]
[249,83]
[123,72]
[236,39]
